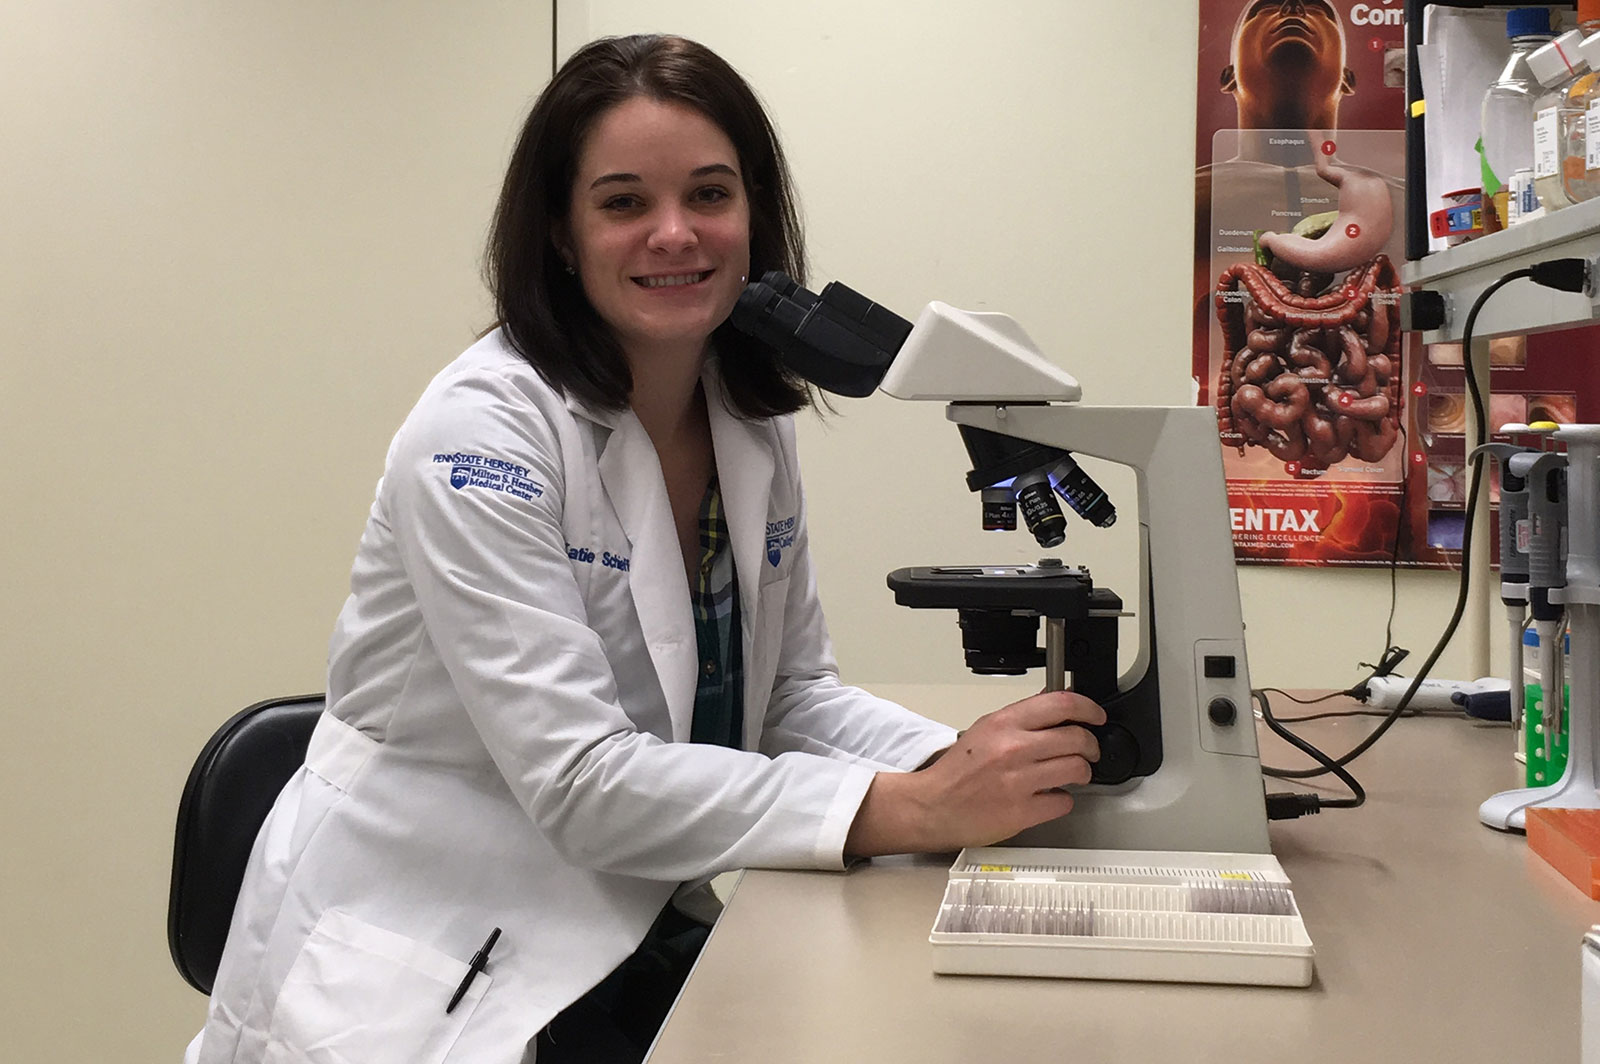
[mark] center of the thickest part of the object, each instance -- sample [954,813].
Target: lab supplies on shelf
[1560,122]
[1508,114]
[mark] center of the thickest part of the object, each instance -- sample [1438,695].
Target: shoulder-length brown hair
[543,308]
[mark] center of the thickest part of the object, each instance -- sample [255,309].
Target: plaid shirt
[719,697]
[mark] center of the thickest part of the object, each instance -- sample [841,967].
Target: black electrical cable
[1333,713]
[1346,712]
[1466,551]
[1287,805]
[1392,655]
[1394,555]
[1305,701]
[1569,275]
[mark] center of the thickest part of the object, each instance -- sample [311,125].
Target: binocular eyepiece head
[839,340]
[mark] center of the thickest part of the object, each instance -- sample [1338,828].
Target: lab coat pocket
[771,602]
[359,993]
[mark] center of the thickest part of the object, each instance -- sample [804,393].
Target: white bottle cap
[1559,60]
[1590,50]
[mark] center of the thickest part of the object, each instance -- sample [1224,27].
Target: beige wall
[235,241]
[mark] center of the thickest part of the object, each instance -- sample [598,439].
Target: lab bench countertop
[1436,939]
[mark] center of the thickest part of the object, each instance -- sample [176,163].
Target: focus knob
[1119,754]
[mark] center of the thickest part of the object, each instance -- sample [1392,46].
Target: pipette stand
[1577,787]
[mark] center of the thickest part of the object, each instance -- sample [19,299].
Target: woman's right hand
[1002,775]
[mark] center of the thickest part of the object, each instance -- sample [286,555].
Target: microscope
[1179,768]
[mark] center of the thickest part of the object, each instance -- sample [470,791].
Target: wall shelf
[1462,273]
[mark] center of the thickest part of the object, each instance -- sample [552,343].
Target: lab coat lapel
[744,471]
[631,475]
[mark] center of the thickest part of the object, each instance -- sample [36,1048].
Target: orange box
[1569,841]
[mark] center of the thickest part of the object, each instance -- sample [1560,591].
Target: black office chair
[231,788]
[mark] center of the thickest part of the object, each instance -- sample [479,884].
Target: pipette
[1513,559]
[1547,575]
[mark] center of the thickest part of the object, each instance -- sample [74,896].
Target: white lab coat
[510,690]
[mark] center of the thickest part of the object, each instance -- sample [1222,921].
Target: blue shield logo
[774,552]
[459,475]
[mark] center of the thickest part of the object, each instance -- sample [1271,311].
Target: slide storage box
[1121,914]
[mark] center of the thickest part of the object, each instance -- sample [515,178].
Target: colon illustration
[1311,333]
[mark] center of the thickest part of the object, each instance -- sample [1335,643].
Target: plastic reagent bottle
[1507,116]
[1585,93]
[1558,122]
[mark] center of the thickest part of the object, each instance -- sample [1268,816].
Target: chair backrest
[231,788]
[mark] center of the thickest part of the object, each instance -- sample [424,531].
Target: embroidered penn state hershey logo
[496,474]
[780,534]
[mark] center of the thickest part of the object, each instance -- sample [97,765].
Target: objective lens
[999,510]
[1087,499]
[1040,511]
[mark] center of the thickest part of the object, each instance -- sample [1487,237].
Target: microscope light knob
[1222,712]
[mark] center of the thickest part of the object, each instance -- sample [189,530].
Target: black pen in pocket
[480,960]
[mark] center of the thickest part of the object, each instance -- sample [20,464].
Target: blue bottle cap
[1526,21]
[1530,638]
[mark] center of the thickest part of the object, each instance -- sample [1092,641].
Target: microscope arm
[1206,792]
[1183,516]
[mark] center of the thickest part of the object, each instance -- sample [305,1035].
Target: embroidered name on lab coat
[496,474]
[607,559]
[780,534]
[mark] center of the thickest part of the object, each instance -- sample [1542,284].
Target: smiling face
[659,226]
[1288,65]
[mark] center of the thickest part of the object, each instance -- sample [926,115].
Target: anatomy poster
[1343,442]
[1299,236]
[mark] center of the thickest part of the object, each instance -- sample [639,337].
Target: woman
[583,667]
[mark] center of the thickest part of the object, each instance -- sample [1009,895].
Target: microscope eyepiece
[840,340]
[789,288]
[765,313]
